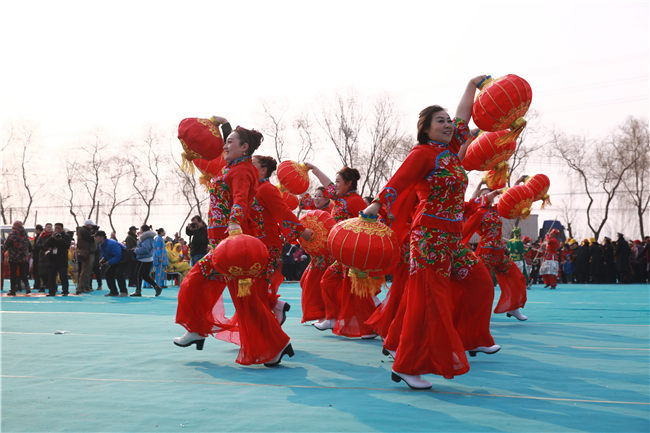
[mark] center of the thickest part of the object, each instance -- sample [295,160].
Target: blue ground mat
[92,363]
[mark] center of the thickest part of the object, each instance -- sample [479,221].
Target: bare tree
[304,127]
[633,135]
[275,128]
[118,169]
[342,125]
[21,142]
[191,191]
[89,176]
[385,137]
[146,172]
[601,171]
[525,148]
[71,169]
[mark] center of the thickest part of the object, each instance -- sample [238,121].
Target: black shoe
[287,351]
[11,294]
[65,294]
[136,294]
[112,294]
[51,294]
[158,290]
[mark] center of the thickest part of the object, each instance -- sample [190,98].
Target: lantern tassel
[525,213]
[364,285]
[186,163]
[244,287]
[546,201]
[204,180]
[516,128]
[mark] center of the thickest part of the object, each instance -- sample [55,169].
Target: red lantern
[515,202]
[539,184]
[209,168]
[498,176]
[241,257]
[290,199]
[485,151]
[501,104]
[293,176]
[200,139]
[369,248]
[320,223]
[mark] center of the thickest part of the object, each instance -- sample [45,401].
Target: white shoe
[325,324]
[280,311]
[488,350]
[388,352]
[368,336]
[190,338]
[517,314]
[413,381]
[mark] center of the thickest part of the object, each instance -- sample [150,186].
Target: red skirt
[313,306]
[448,306]
[331,290]
[511,281]
[386,312]
[198,311]
[354,311]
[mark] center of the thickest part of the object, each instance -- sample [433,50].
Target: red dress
[550,265]
[349,310]
[449,293]
[313,306]
[484,219]
[278,220]
[260,335]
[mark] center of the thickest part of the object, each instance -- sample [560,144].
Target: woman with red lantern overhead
[345,311]
[231,198]
[482,217]
[550,265]
[449,293]
[313,306]
[278,219]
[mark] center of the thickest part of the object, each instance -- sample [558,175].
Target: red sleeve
[271,200]
[242,184]
[413,169]
[355,204]
[330,191]
[474,211]
[307,202]
[460,135]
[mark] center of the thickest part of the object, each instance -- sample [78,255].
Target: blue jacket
[144,250]
[112,251]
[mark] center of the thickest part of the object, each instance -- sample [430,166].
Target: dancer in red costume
[482,217]
[345,312]
[279,222]
[449,292]
[550,265]
[231,196]
[313,306]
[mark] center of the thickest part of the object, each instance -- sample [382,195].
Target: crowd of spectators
[55,255]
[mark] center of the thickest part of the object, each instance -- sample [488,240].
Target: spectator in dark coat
[45,258]
[582,263]
[86,251]
[59,244]
[18,250]
[622,259]
[37,278]
[608,261]
[131,241]
[595,262]
[198,233]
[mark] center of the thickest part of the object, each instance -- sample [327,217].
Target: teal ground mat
[92,363]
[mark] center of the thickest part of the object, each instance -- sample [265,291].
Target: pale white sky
[70,67]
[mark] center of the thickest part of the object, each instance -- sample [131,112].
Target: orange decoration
[241,257]
[515,202]
[200,138]
[486,151]
[293,176]
[540,184]
[369,248]
[498,176]
[320,223]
